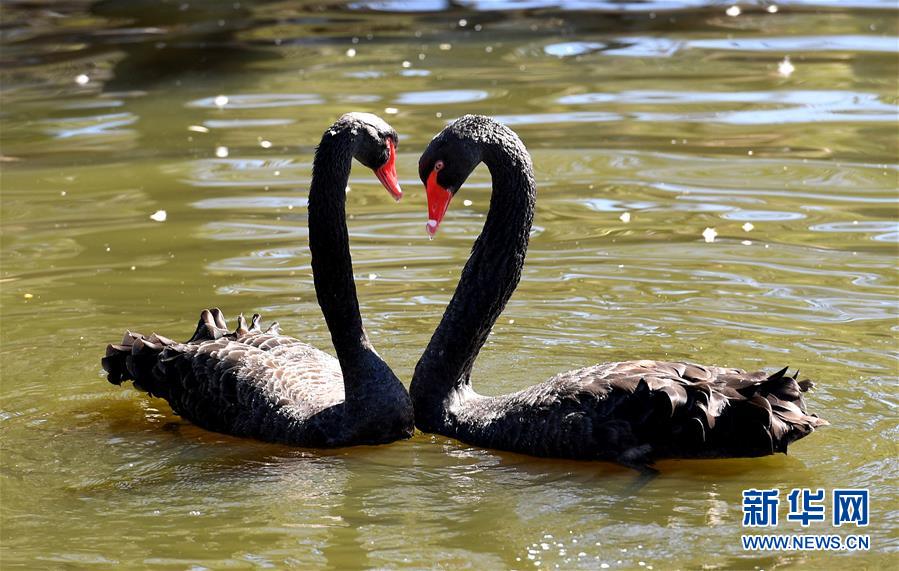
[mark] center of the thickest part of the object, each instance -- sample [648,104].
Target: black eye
[438,165]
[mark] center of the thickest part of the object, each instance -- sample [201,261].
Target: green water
[679,115]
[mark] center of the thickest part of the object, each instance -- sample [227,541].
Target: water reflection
[170,42]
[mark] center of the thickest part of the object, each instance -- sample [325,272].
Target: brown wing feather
[740,413]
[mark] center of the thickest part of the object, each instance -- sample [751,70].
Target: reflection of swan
[261,384]
[165,42]
[631,412]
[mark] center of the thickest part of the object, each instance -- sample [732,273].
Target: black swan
[261,384]
[632,412]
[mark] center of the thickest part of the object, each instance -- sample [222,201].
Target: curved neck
[332,266]
[488,279]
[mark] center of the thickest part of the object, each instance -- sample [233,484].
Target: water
[674,113]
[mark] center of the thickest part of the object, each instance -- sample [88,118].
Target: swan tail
[790,420]
[152,362]
[766,415]
[719,413]
[137,358]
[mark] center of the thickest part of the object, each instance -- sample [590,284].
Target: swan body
[631,412]
[258,383]
[634,412]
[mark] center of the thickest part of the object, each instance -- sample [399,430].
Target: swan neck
[487,282]
[332,265]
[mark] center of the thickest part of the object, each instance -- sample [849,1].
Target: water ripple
[445,96]
[97,125]
[643,47]
[244,203]
[803,106]
[257,101]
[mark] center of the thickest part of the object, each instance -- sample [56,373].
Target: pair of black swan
[271,387]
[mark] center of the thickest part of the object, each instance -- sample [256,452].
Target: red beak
[387,173]
[438,202]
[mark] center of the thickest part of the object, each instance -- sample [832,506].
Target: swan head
[448,161]
[375,147]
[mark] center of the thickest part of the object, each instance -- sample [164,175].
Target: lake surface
[649,122]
